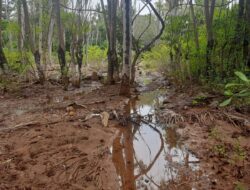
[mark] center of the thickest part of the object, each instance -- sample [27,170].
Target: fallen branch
[22,125]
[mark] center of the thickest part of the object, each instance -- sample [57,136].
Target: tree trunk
[40,37]
[247,35]
[20,24]
[79,41]
[3,60]
[196,34]
[127,45]
[30,38]
[50,33]
[61,46]
[110,18]
[209,13]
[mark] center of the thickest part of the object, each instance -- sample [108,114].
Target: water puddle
[149,155]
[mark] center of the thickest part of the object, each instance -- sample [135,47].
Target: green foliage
[237,90]
[186,62]
[18,62]
[96,54]
[156,58]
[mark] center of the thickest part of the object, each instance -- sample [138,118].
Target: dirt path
[45,142]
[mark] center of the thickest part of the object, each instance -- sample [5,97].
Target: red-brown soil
[47,143]
[219,137]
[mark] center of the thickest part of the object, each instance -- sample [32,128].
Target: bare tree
[196,34]
[209,13]
[51,31]
[138,50]
[247,34]
[30,40]
[110,18]
[20,24]
[127,45]
[2,55]
[61,46]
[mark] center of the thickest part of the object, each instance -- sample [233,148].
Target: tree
[29,37]
[127,45]
[20,24]
[61,46]
[110,18]
[247,35]
[138,50]
[2,55]
[51,30]
[209,14]
[196,34]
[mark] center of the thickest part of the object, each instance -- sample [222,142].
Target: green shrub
[96,54]
[238,90]
[157,58]
[18,62]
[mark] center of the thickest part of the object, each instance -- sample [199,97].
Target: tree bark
[247,35]
[209,13]
[61,46]
[20,24]
[196,34]
[127,45]
[50,33]
[3,60]
[110,22]
[30,40]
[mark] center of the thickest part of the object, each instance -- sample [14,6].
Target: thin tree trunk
[40,37]
[3,60]
[20,32]
[196,34]
[61,46]
[30,38]
[79,45]
[209,13]
[110,23]
[127,45]
[50,33]
[247,35]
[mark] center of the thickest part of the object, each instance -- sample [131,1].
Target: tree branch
[83,10]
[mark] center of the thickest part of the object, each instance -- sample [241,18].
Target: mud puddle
[151,155]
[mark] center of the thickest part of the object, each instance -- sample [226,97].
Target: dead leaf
[105,118]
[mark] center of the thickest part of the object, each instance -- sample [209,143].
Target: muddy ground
[219,137]
[50,140]
[55,139]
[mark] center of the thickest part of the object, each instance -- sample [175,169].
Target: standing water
[149,155]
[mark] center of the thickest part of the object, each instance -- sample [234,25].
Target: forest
[125,94]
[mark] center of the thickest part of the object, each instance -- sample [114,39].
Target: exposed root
[203,118]
[170,117]
[209,116]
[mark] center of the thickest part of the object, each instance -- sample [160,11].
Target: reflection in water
[151,155]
